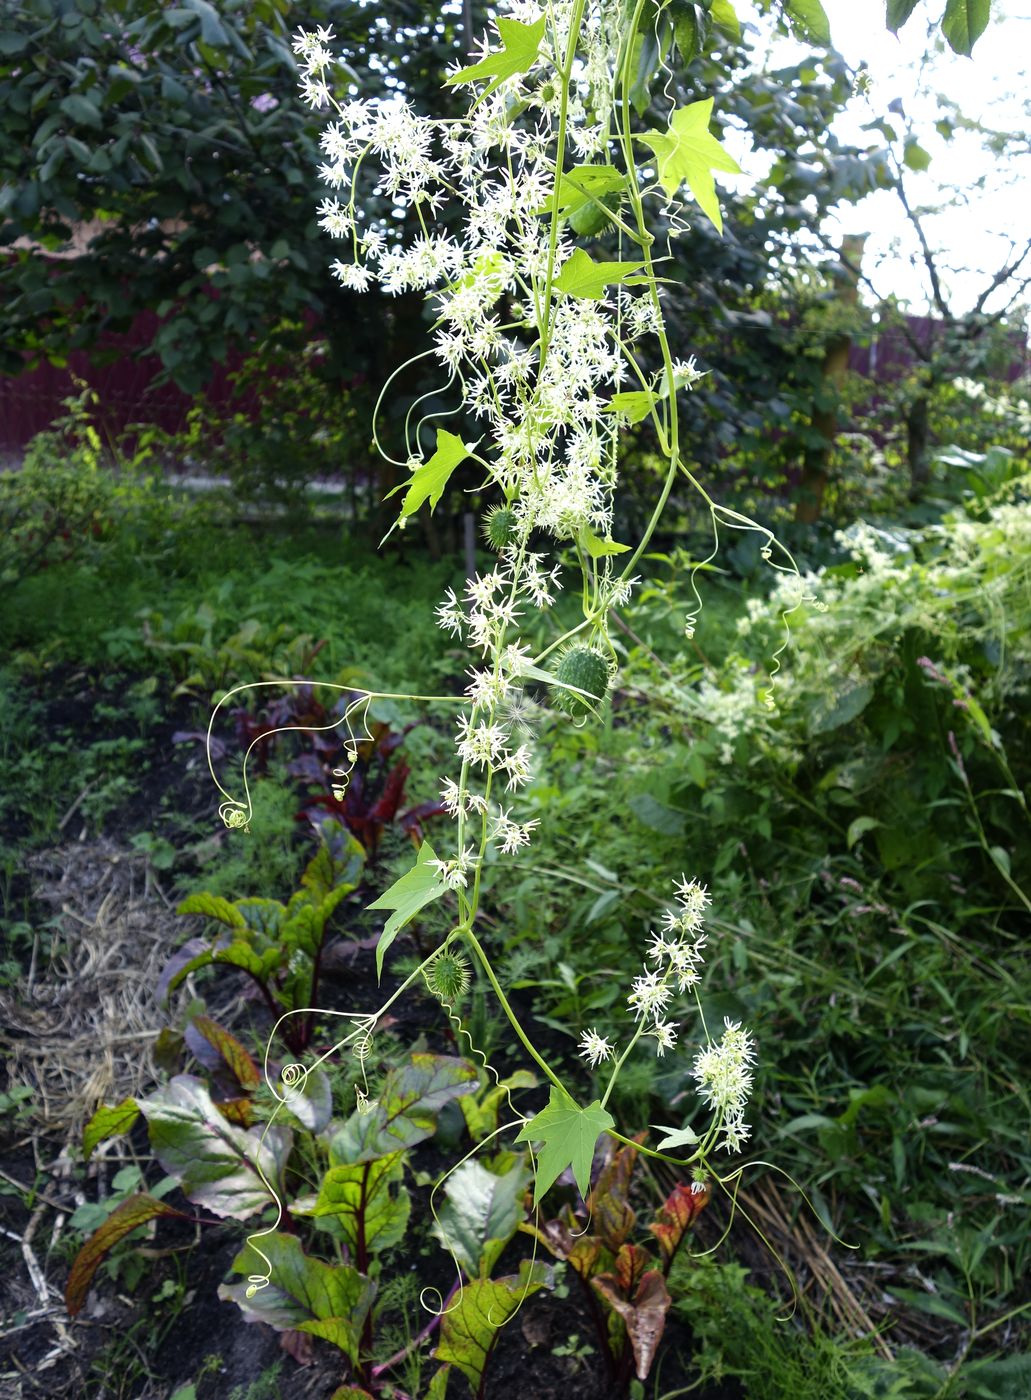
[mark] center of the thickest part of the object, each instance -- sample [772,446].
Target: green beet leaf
[479,1310]
[367,1202]
[109,1121]
[218,1165]
[569,1135]
[405,1111]
[304,1295]
[129,1216]
[212,906]
[480,1215]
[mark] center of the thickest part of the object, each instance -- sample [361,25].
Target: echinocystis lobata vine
[543,350]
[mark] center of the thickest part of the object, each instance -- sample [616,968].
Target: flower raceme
[545,351]
[722,1070]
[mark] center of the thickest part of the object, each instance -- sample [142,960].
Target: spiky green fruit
[447,976]
[589,219]
[588,670]
[500,526]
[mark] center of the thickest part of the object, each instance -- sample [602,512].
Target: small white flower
[450,615]
[649,995]
[665,1033]
[594,1048]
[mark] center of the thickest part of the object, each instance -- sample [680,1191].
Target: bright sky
[973,239]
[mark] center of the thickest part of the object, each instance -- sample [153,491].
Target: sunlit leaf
[634,404]
[520,44]
[809,20]
[964,22]
[687,150]
[427,482]
[600,549]
[582,277]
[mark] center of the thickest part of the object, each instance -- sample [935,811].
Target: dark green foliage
[170,142]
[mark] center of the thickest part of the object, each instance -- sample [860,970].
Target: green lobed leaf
[419,887]
[108,1122]
[428,480]
[598,548]
[405,1112]
[581,276]
[469,1327]
[634,404]
[367,1196]
[129,1216]
[675,1137]
[687,151]
[569,1135]
[305,1294]
[480,1215]
[520,44]
[964,22]
[218,1165]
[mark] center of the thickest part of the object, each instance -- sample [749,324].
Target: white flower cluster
[722,1070]
[678,950]
[724,1076]
[536,365]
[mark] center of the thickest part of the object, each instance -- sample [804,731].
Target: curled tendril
[235,815]
[293,1076]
